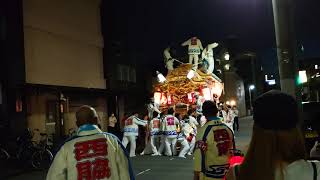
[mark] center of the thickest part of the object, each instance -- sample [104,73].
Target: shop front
[51,109]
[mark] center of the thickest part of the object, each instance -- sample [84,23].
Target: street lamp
[251,87]
[227,56]
[160,76]
[232,102]
[227,67]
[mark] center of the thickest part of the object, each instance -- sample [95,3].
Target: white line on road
[143,172]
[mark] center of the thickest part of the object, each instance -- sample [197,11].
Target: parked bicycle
[29,152]
[42,156]
[25,147]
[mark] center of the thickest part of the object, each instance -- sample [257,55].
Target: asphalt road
[162,167]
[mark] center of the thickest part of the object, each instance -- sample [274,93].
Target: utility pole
[283,12]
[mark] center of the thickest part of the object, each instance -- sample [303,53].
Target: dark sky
[148,26]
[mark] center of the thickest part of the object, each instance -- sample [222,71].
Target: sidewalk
[243,137]
[12,168]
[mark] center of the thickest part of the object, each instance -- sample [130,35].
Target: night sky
[149,26]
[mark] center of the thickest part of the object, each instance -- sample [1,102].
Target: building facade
[59,55]
[53,64]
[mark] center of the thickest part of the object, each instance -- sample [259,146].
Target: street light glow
[271,82]
[227,67]
[161,78]
[252,87]
[227,56]
[302,77]
[232,102]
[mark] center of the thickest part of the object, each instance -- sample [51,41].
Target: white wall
[63,43]
[234,90]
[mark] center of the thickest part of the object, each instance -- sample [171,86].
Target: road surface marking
[143,172]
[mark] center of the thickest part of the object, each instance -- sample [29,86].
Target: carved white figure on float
[168,59]
[207,56]
[194,50]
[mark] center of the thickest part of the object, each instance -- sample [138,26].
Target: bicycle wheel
[4,155]
[41,159]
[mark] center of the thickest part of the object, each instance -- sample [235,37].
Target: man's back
[169,125]
[91,155]
[155,126]
[213,143]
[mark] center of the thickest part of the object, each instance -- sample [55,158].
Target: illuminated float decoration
[180,88]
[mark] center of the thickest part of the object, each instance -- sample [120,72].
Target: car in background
[311,123]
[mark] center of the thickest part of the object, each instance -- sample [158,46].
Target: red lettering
[170,121]
[203,146]
[223,148]
[89,149]
[84,170]
[101,169]
[221,136]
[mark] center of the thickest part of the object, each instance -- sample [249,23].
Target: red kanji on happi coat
[221,136]
[92,162]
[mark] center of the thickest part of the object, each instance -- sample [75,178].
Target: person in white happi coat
[91,153]
[168,59]
[193,124]
[151,107]
[155,133]
[228,117]
[182,139]
[131,131]
[161,135]
[170,124]
[194,50]
[199,102]
[192,119]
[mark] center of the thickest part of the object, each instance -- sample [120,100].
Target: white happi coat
[131,126]
[187,129]
[194,46]
[155,127]
[194,123]
[169,126]
[151,108]
[91,154]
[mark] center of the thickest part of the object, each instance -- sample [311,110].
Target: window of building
[126,73]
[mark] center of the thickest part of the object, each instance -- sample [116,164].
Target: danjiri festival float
[189,84]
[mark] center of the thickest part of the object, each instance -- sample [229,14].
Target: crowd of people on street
[276,150]
[164,130]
